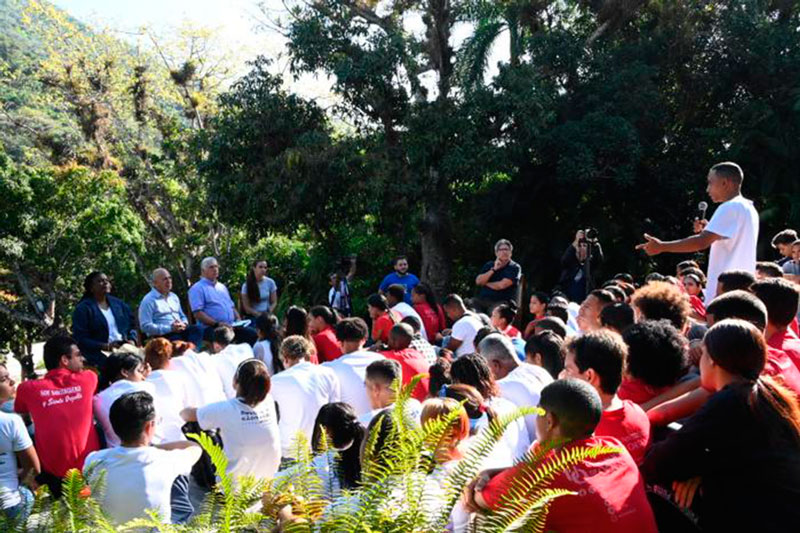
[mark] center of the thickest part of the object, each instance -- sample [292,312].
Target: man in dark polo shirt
[498,279]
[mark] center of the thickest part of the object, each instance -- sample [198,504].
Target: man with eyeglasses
[498,279]
[161,315]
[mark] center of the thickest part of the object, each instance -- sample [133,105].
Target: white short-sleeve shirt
[404,310]
[464,330]
[523,387]
[104,399]
[203,385]
[137,479]
[13,438]
[250,435]
[300,392]
[351,369]
[227,361]
[736,221]
[170,398]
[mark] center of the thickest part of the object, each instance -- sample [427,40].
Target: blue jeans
[181,506]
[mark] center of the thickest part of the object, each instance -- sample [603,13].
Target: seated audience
[300,391]
[123,373]
[694,285]
[553,324]
[520,383]
[400,276]
[60,404]
[322,324]
[259,292]
[201,375]
[439,373]
[268,347]
[657,358]
[618,294]
[498,279]
[395,297]
[171,390]
[768,269]
[592,306]
[227,357]
[339,467]
[617,317]
[782,242]
[544,350]
[380,379]
[742,449]
[161,314]
[782,299]
[659,300]
[502,318]
[427,307]
[101,322]
[138,474]
[248,424]
[791,269]
[351,367]
[296,323]
[465,325]
[612,494]
[734,280]
[19,462]
[383,319]
[598,358]
[538,308]
[418,342]
[411,361]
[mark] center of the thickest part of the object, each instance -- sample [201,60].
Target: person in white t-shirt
[395,297]
[200,374]
[268,347]
[520,383]
[380,379]
[732,232]
[248,424]
[227,357]
[351,367]
[300,391]
[16,451]
[171,390]
[138,475]
[465,326]
[122,373]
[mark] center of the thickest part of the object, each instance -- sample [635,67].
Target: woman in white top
[171,391]
[248,423]
[123,373]
[268,347]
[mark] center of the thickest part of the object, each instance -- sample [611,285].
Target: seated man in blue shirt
[400,276]
[160,313]
[212,305]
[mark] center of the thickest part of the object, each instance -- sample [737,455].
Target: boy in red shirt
[611,496]
[781,298]
[597,358]
[60,404]
[411,361]
[323,320]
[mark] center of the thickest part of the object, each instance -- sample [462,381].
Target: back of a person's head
[340,425]
[439,373]
[738,347]
[604,352]
[554,324]
[400,336]
[787,236]
[575,405]
[396,291]
[453,300]
[157,352]
[253,382]
[659,300]
[768,269]
[498,347]
[267,325]
[472,369]
[129,413]
[327,314]
[471,398]
[781,297]
[657,353]
[603,296]
[618,316]
[735,280]
[55,348]
[295,348]
[378,301]
[689,263]
[617,292]
[654,277]
[548,345]
[352,330]
[223,335]
[743,305]
[412,321]
[116,364]
[482,333]
[506,312]
[434,409]
[624,276]
[385,371]
[730,171]
[296,321]
[558,310]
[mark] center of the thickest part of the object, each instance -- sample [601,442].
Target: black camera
[590,236]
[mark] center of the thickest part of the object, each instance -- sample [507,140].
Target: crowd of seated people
[697,393]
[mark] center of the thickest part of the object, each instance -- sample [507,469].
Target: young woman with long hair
[259,292]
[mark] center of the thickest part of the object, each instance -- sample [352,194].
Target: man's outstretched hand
[652,246]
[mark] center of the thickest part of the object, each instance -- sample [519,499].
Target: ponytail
[777,407]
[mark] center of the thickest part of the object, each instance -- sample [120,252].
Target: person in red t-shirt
[60,405]
[429,310]
[538,308]
[323,320]
[411,361]
[502,317]
[610,492]
[597,358]
[781,298]
[383,318]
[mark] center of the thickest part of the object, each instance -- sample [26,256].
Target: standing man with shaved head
[161,315]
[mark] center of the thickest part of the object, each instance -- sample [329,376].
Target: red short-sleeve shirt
[412,362]
[384,324]
[328,347]
[60,404]
[630,426]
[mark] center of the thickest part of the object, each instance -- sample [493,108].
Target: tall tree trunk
[435,243]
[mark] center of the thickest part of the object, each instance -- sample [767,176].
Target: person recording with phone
[732,232]
[578,264]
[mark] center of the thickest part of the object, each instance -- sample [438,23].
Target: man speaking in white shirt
[731,234]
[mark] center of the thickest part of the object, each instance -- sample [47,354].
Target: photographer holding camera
[339,293]
[578,264]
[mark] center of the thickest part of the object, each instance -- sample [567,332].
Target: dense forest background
[607,113]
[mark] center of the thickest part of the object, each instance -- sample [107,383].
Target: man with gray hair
[519,382]
[498,279]
[161,315]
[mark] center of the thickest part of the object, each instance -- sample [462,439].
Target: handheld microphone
[702,207]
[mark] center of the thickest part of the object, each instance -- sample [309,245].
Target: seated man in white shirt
[351,367]
[300,391]
[139,476]
[395,297]
[227,357]
[465,325]
[520,383]
[380,380]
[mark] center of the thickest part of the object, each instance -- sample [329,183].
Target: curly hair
[158,352]
[660,300]
[657,352]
